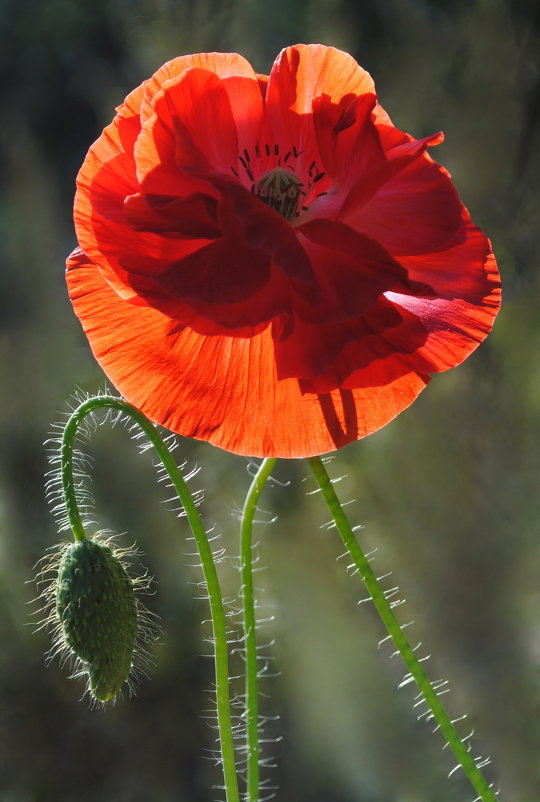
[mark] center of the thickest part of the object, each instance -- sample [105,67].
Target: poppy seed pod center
[280,189]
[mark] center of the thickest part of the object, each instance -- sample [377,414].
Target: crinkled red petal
[224,389]
[181,132]
[106,178]
[375,179]
[299,75]
[352,270]
[268,337]
[191,217]
[416,211]
[243,87]
[347,138]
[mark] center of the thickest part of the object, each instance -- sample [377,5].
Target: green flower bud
[98,614]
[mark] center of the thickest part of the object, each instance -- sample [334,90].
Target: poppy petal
[304,72]
[416,211]
[396,160]
[206,388]
[456,325]
[180,132]
[106,178]
[114,146]
[299,75]
[184,103]
[242,84]
[191,217]
[352,270]
[385,333]
[347,138]
[266,230]
[465,270]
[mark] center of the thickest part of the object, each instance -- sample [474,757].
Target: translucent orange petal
[224,389]
[180,132]
[416,210]
[304,72]
[299,75]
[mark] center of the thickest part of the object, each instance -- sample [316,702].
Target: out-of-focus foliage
[448,493]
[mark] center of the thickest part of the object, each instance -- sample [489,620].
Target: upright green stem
[203,546]
[410,659]
[250,631]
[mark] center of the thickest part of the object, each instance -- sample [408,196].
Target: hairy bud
[97,614]
[96,605]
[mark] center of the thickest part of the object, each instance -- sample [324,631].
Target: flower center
[280,189]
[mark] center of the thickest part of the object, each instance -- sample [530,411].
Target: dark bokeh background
[449,492]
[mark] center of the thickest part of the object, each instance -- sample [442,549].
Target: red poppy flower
[268,263]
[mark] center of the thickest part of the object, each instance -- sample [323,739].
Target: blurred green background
[448,493]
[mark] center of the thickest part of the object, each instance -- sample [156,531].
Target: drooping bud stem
[280,189]
[112,578]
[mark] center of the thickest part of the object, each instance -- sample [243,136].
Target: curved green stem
[464,757]
[250,629]
[203,546]
[66,461]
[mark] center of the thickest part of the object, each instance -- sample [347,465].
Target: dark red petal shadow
[222,389]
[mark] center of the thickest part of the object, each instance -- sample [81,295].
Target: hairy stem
[250,628]
[203,546]
[464,757]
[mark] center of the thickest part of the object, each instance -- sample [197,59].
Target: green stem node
[464,757]
[203,546]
